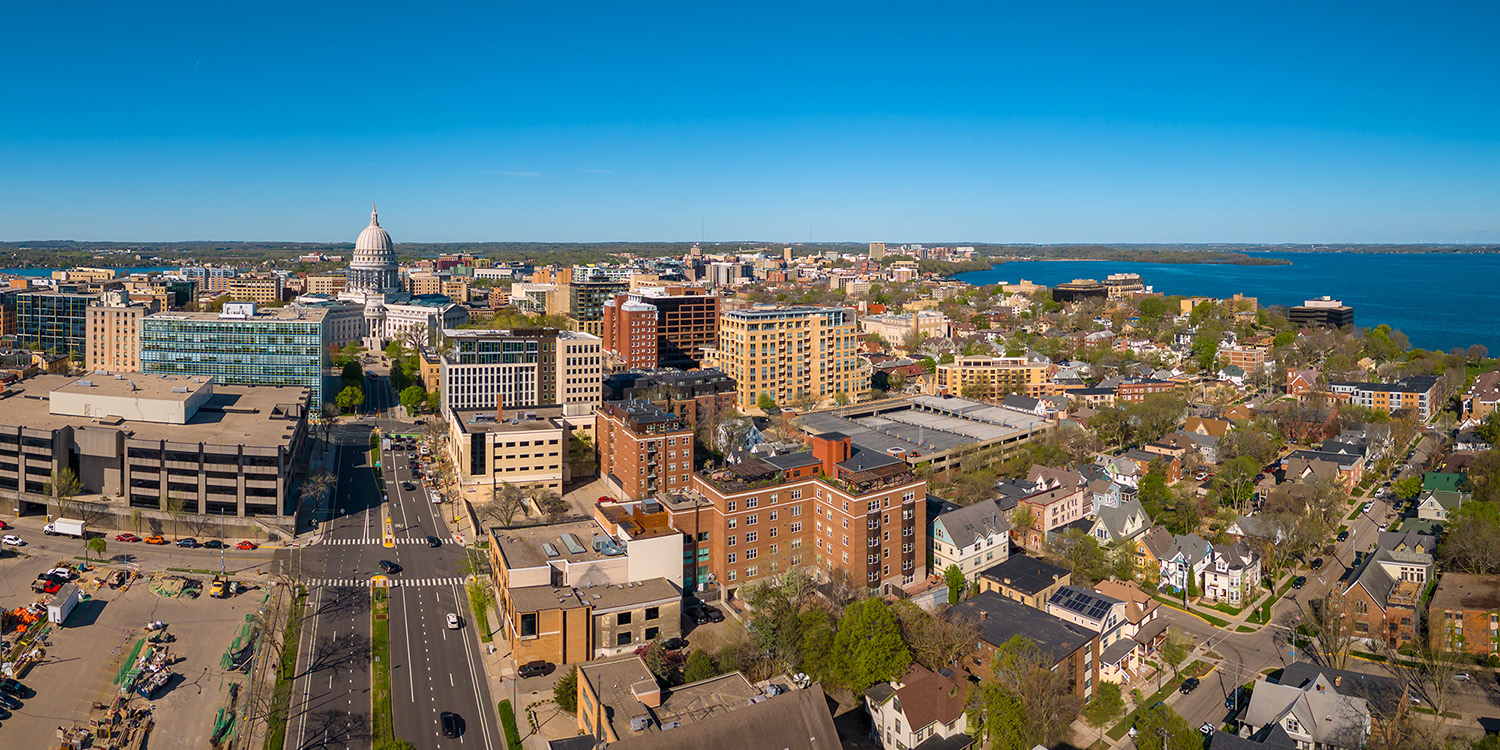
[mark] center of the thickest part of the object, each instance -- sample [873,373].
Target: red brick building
[1465,614]
[686,319]
[643,450]
[1136,389]
[630,333]
[859,513]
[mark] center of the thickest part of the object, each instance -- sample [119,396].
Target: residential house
[1186,560]
[923,710]
[1255,527]
[1151,551]
[1217,428]
[1384,697]
[1120,523]
[1348,463]
[1070,650]
[1050,509]
[1440,505]
[1104,615]
[1106,494]
[1314,714]
[1301,382]
[1381,593]
[972,537]
[1143,631]
[1482,397]
[1232,574]
[1464,614]
[1025,579]
[1447,481]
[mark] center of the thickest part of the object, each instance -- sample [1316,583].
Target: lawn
[281,693]
[380,648]
[1121,728]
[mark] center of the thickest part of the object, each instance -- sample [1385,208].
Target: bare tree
[506,502]
[177,509]
[1330,632]
[936,641]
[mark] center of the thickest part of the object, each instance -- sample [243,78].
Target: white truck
[64,527]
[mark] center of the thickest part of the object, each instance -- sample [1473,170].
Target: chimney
[984,615]
[1338,680]
[499,407]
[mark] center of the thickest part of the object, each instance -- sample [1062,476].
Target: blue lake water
[48,271]
[1439,301]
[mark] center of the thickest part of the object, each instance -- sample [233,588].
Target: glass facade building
[285,347]
[56,322]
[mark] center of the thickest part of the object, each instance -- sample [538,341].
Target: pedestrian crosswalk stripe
[395,582]
[373,540]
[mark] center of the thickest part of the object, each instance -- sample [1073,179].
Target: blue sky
[987,122]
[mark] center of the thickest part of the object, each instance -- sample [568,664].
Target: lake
[45,272]
[1439,301]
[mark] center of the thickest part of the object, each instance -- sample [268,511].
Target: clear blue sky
[909,122]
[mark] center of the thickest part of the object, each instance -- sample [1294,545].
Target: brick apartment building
[695,395]
[1251,359]
[661,326]
[629,333]
[862,514]
[1465,614]
[1136,389]
[643,450]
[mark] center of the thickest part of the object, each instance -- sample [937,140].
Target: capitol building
[374,281]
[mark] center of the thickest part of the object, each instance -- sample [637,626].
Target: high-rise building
[877,250]
[985,377]
[586,303]
[686,321]
[211,279]
[630,333]
[54,322]
[792,354]
[240,346]
[114,334]
[643,450]
[1324,312]
[256,288]
[510,369]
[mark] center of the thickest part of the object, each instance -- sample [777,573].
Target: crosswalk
[372,540]
[390,582]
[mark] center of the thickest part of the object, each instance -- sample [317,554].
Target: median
[381,724]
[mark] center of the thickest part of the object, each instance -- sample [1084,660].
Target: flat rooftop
[1458,591]
[253,416]
[574,542]
[928,424]
[135,385]
[529,419]
[262,314]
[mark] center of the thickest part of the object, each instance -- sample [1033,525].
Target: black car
[449,723]
[9,702]
[433,541]
[536,668]
[714,615]
[12,687]
[674,644]
[1317,563]
[408,486]
[1188,685]
[697,615]
[389,567]
[1235,699]
[213,544]
[1343,535]
[189,542]
[1298,582]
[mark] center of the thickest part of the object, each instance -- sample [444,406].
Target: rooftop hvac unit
[640,723]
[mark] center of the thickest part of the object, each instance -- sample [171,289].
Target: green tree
[867,648]
[413,398]
[1004,723]
[350,398]
[352,372]
[1236,482]
[1161,728]
[1104,707]
[63,485]
[700,666]
[765,403]
[95,545]
[1154,493]
[954,577]
[1407,487]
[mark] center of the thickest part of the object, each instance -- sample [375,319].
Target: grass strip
[508,721]
[281,693]
[479,603]
[382,725]
[1126,723]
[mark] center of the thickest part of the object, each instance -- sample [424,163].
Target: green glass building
[240,346]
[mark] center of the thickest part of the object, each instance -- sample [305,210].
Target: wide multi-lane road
[433,668]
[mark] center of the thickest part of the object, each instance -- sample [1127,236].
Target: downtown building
[54,322]
[982,376]
[114,334]
[485,369]
[643,449]
[792,353]
[240,346]
[660,327]
[586,302]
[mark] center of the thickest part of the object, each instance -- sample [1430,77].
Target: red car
[245,545]
[127,538]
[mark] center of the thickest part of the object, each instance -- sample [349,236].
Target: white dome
[373,239]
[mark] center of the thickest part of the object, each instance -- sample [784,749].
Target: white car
[452,621]
[13,540]
[67,573]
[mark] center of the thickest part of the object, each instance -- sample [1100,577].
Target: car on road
[1317,563]
[188,542]
[1299,582]
[408,486]
[452,621]
[1384,526]
[214,544]
[389,567]
[433,541]
[1463,676]
[247,544]
[448,724]
[127,538]
[156,539]
[1343,534]
[1188,685]
[1369,506]
[536,668]
[1234,699]
[675,644]
[13,540]
[420,422]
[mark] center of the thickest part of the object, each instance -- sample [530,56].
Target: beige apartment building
[83,275]
[265,288]
[986,377]
[114,334]
[325,283]
[790,353]
[524,447]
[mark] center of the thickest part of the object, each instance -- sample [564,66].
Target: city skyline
[1176,124]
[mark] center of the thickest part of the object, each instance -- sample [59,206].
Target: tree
[1331,632]
[352,372]
[177,508]
[63,486]
[1106,705]
[1236,482]
[1161,728]
[1154,493]
[700,666]
[316,485]
[565,692]
[1045,697]
[1023,521]
[95,545]
[1003,721]
[1407,487]
[765,403]
[1175,648]
[1079,552]
[954,577]
[1472,541]
[413,398]
[136,517]
[351,397]
[867,648]
[506,502]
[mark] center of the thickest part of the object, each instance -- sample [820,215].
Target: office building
[225,451]
[210,279]
[325,283]
[643,450]
[685,321]
[586,302]
[256,288]
[1079,290]
[55,322]
[114,334]
[527,448]
[984,377]
[523,367]
[1324,312]
[239,346]
[793,354]
[81,275]
[877,250]
[896,329]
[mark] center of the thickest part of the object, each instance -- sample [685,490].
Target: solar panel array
[1085,603]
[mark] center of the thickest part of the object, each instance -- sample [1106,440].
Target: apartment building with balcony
[789,353]
[986,378]
[644,451]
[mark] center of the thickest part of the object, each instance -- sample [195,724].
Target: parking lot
[83,656]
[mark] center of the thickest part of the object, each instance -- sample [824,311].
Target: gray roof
[1381,691]
[967,524]
[1159,541]
[1238,555]
[1004,618]
[1025,574]
[1192,547]
[1409,540]
[1024,403]
[1257,526]
[1275,739]
[1117,651]
[1115,518]
[1328,715]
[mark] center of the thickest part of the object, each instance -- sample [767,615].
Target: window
[750,554]
[528,625]
[622,619]
[733,575]
[733,522]
[652,633]
[796,494]
[773,515]
[731,505]
[653,612]
[623,639]
[733,540]
[732,558]
[751,502]
[752,519]
[750,537]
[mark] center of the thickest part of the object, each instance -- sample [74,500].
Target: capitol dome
[373,269]
[374,239]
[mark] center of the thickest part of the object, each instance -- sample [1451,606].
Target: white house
[1232,573]
[1188,556]
[923,705]
[973,537]
[1439,505]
